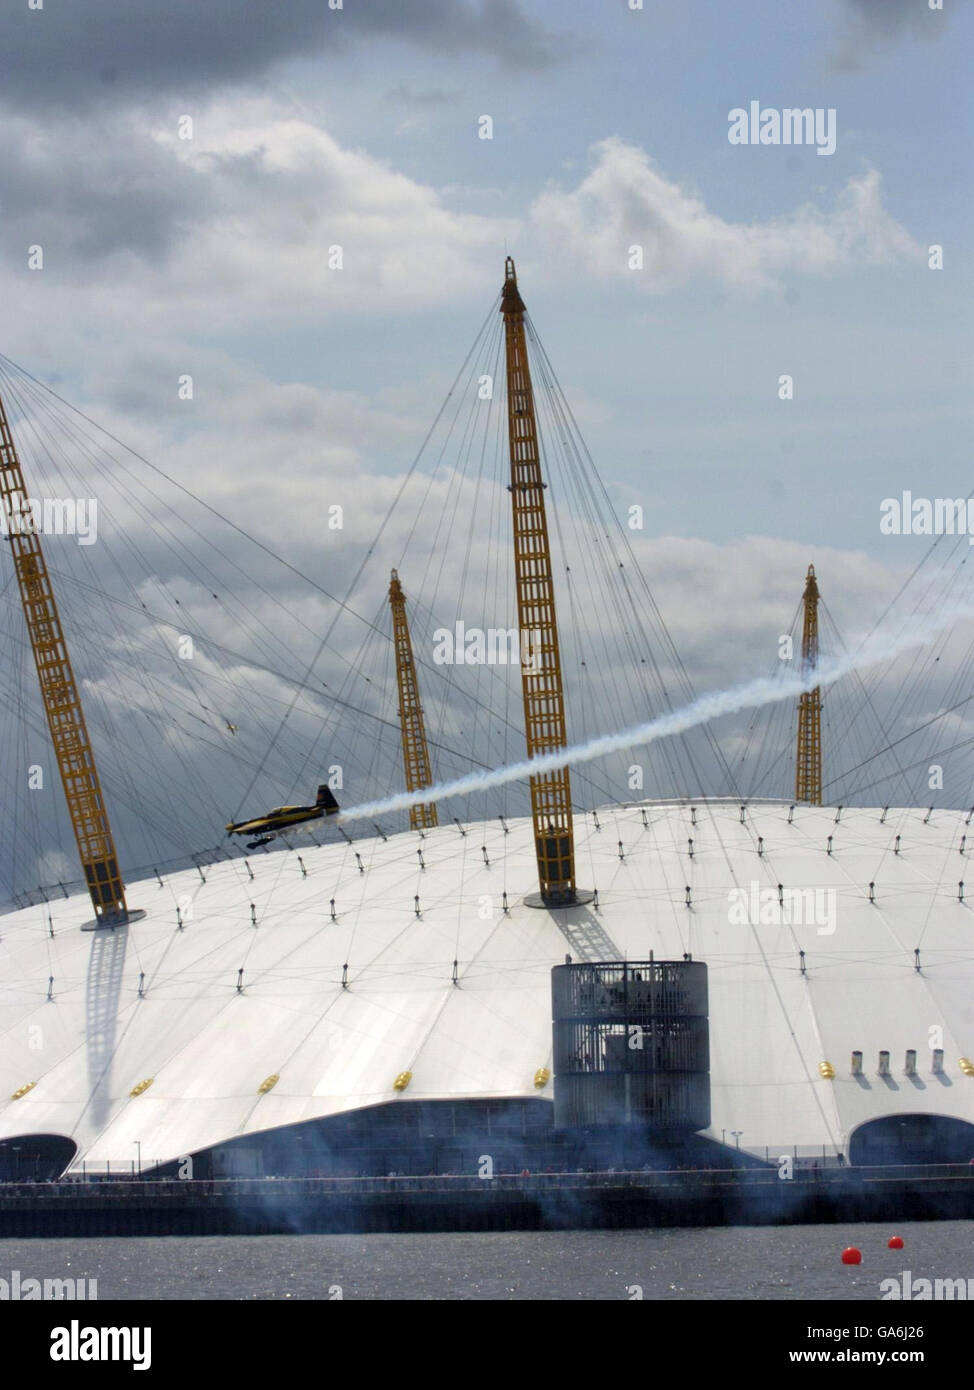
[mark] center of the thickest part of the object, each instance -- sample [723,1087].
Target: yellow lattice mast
[808,771]
[415,752]
[62,704]
[544,701]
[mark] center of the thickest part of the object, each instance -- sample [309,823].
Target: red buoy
[895,1242]
[852,1256]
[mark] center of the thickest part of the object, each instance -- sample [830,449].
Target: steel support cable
[577,637]
[119,793]
[446,518]
[921,762]
[220,677]
[497,587]
[484,335]
[840,729]
[511,701]
[181,488]
[601,575]
[880,674]
[10,825]
[948,852]
[585,555]
[862,752]
[900,717]
[191,495]
[159,527]
[598,485]
[908,581]
[832,627]
[136,802]
[160,530]
[481,676]
[328,725]
[466,758]
[921,662]
[918,698]
[775,743]
[918,663]
[774,772]
[776,756]
[592,478]
[447,689]
[52,451]
[608,573]
[452,485]
[378,656]
[786,750]
[905,738]
[30,425]
[497,527]
[765,718]
[147,872]
[123,789]
[35,430]
[230,655]
[771,978]
[343,604]
[115,738]
[430,621]
[26,830]
[499,489]
[582,685]
[500,485]
[585,548]
[779,741]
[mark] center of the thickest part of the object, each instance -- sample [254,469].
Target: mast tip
[511,301]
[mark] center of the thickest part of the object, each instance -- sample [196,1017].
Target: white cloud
[228,229]
[626,200]
[284,191]
[231,230]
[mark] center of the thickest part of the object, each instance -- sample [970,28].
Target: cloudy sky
[360,127]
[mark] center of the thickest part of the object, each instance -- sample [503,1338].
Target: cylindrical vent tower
[632,1044]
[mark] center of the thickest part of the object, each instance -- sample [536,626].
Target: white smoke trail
[762,691]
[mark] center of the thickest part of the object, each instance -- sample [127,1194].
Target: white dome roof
[209,1048]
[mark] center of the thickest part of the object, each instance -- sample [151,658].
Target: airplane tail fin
[326,800]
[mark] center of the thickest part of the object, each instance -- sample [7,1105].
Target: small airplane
[284,818]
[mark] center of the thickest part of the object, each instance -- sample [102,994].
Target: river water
[754,1263]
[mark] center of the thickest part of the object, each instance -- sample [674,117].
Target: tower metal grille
[541,683]
[59,691]
[808,773]
[415,752]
